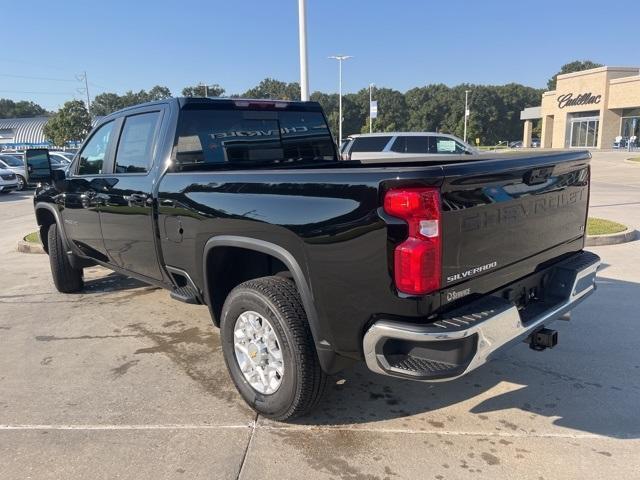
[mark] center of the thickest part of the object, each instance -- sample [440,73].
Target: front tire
[22,183]
[265,334]
[66,278]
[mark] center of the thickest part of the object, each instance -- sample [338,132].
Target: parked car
[535,143]
[309,263]
[8,180]
[16,165]
[62,158]
[403,145]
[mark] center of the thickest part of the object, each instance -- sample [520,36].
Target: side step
[186,294]
[185,290]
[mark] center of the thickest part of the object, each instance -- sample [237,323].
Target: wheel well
[45,219]
[228,267]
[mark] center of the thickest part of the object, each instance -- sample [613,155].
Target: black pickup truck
[308,263]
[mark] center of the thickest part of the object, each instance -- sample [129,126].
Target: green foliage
[495,109]
[71,123]
[575,66]
[600,226]
[212,90]
[107,102]
[33,237]
[23,108]
[275,89]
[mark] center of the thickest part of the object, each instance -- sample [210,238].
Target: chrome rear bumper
[466,338]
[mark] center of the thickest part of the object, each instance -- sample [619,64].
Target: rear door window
[136,141]
[399,145]
[417,144]
[370,144]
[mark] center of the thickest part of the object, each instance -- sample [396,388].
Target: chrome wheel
[21,183]
[258,353]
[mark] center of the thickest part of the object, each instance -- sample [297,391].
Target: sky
[401,44]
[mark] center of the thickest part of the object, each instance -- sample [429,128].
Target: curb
[29,247]
[611,239]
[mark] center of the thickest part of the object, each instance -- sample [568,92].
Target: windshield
[238,138]
[57,158]
[64,156]
[11,161]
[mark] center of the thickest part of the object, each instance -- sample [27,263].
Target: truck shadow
[111,282]
[590,382]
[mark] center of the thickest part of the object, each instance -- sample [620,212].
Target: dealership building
[597,108]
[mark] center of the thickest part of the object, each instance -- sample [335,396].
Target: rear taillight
[417,260]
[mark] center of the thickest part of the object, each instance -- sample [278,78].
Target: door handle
[86,198]
[137,199]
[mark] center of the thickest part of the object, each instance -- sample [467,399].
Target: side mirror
[37,165]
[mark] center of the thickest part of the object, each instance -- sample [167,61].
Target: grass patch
[33,237]
[634,159]
[600,226]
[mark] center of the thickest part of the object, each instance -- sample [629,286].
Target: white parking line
[310,428]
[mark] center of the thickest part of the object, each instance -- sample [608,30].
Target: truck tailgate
[496,213]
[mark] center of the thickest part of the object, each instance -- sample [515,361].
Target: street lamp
[466,113]
[371,85]
[340,59]
[304,69]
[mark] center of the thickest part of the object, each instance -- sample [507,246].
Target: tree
[108,102]
[71,123]
[392,110]
[212,90]
[23,108]
[575,66]
[274,89]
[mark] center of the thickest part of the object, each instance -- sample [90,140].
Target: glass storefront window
[630,127]
[584,132]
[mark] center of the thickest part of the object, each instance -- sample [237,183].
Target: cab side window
[136,143]
[91,158]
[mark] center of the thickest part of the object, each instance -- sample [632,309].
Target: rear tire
[302,383]
[66,278]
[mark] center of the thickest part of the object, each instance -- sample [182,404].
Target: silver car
[8,181]
[403,145]
[14,164]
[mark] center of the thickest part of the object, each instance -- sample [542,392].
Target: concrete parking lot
[123,382]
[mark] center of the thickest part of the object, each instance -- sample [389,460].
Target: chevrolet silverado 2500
[308,263]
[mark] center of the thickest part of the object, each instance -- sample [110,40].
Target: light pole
[371,85]
[304,71]
[466,113]
[340,59]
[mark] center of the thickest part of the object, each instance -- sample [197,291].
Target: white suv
[403,145]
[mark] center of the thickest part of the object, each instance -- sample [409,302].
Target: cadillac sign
[568,100]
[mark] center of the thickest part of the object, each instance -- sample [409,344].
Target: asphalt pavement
[120,381]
